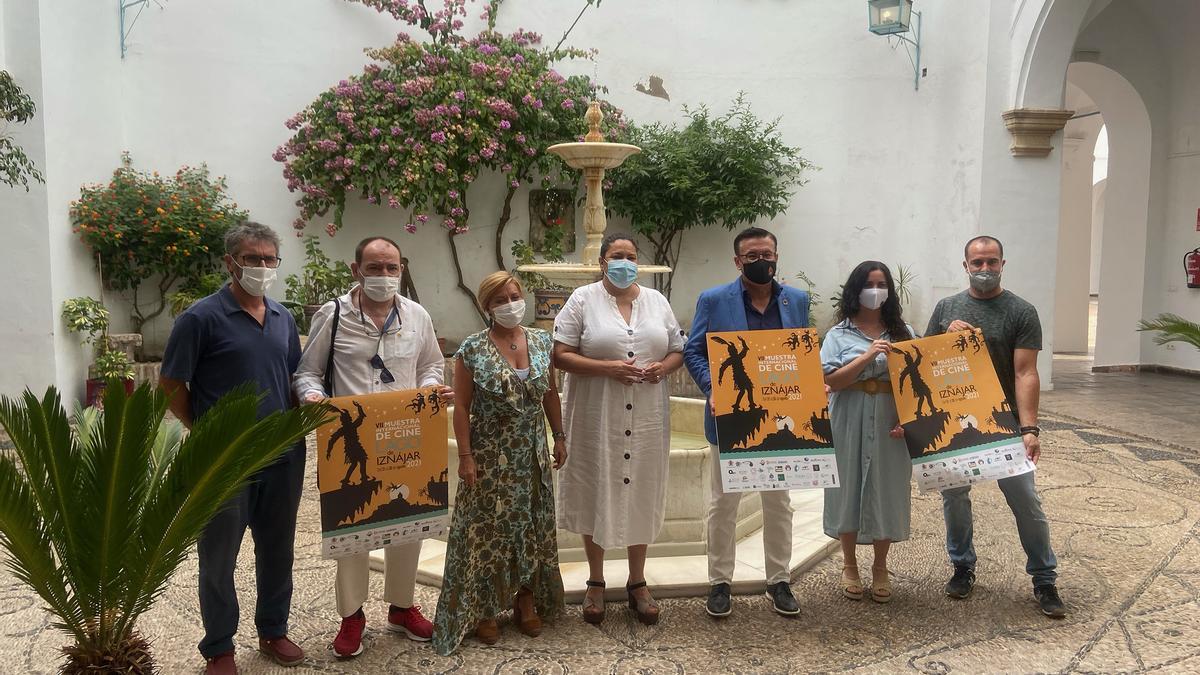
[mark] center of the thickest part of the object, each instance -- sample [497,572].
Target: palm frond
[114,476]
[166,444]
[24,534]
[1172,328]
[41,435]
[225,448]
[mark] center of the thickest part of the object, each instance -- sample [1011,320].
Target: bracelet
[1035,430]
[560,435]
[466,454]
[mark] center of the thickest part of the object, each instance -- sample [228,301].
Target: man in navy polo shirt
[234,336]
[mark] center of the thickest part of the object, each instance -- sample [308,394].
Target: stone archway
[1126,211]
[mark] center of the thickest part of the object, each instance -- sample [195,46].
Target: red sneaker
[410,622]
[348,642]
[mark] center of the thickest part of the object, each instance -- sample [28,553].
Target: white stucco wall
[27,332]
[906,177]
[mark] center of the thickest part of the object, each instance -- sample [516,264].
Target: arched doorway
[1103,98]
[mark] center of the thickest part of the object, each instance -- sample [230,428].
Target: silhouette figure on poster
[961,343]
[809,343]
[912,371]
[355,453]
[792,341]
[435,402]
[741,380]
[418,403]
[973,336]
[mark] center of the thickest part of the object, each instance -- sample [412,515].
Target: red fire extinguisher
[1191,266]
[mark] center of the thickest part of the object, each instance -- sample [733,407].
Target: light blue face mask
[622,273]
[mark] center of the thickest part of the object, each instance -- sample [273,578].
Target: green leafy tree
[97,522]
[150,230]
[726,170]
[15,107]
[417,128]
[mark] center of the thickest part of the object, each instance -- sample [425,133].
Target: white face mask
[509,315]
[256,280]
[872,298]
[381,289]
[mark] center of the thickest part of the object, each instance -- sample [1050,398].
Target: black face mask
[760,271]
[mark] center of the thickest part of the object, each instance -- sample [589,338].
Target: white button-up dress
[614,484]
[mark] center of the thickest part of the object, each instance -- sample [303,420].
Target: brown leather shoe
[488,631]
[529,623]
[221,664]
[281,650]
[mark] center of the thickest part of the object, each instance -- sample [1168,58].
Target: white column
[1074,249]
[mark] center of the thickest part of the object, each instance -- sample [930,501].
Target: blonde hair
[493,284]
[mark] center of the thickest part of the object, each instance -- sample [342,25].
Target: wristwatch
[560,436]
[1035,430]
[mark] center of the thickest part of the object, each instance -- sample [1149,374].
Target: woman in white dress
[617,342]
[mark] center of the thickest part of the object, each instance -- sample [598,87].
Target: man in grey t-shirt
[1014,337]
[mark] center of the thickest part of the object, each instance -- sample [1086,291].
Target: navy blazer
[723,309]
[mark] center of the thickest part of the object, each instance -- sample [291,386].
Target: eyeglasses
[261,261]
[385,375]
[376,361]
[755,257]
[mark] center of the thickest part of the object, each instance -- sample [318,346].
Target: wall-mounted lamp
[894,17]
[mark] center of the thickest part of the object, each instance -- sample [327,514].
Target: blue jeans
[1032,526]
[268,506]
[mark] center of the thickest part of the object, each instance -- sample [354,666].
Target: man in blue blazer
[755,301]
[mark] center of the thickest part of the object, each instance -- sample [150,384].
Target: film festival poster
[772,415]
[381,471]
[958,424]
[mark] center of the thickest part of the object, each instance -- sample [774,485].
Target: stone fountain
[676,564]
[593,156]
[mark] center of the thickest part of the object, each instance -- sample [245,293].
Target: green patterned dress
[502,535]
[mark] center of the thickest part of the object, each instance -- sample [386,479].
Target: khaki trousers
[722,525]
[399,577]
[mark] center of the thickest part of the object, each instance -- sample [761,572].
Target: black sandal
[593,613]
[648,613]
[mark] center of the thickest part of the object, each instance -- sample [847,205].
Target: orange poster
[381,471]
[772,413]
[957,422]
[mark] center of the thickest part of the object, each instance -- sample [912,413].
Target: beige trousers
[399,577]
[722,526]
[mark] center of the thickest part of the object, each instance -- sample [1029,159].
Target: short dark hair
[614,238]
[752,233]
[362,245]
[984,238]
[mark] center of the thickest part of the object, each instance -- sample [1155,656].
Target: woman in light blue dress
[872,505]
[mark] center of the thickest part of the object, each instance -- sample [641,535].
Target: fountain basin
[594,155]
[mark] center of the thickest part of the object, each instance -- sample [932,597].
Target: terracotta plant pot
[96,387]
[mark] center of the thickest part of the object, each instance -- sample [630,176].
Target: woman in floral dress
[502,550]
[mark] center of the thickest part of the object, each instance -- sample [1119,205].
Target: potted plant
[89,317]
[319,281]
[96,520]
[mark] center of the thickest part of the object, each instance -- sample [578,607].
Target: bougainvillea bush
[427,118]
[143,227]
